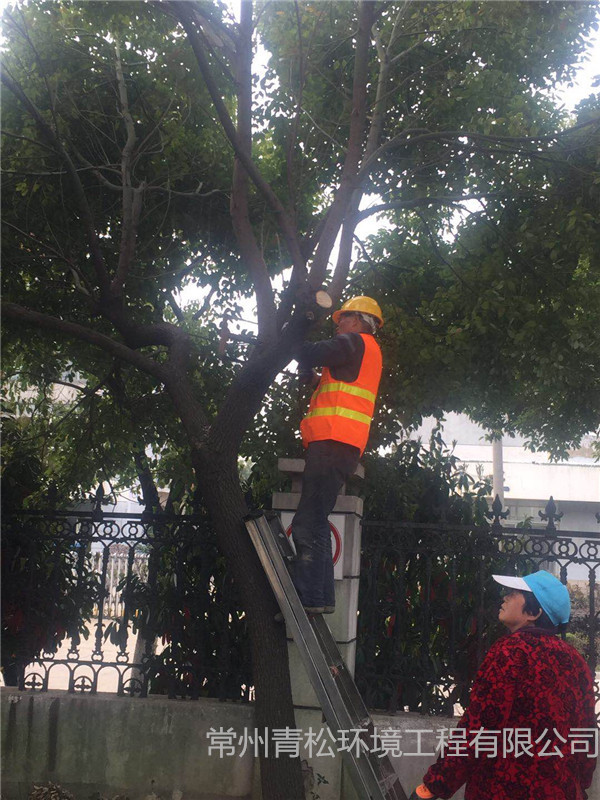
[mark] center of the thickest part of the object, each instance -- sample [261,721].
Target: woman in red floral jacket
[530,731]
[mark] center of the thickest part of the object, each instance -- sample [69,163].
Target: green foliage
[48,591]
[501,321]
[422,626]
[187,601]
[21,467]
[582,627]
[491,307]
[416,483]
[498,322]
[419,615]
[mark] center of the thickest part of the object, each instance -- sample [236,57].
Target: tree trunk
[218,476]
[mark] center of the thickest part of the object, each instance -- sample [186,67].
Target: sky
[589,69]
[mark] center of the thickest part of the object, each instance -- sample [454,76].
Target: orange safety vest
[343,411]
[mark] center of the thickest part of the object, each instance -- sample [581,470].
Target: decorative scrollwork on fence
[151,606]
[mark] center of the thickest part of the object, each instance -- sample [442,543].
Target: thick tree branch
[351,220]
[185,16]
[240,214]
[132,196]
[245,395]
[342,267]
[172,374]
[293,134]
[20,314]
[348,179]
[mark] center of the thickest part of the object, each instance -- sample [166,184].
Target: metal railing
[141,603]
[156,607]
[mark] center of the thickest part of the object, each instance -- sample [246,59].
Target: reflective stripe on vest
[347,388]
[340,412]
[343,411]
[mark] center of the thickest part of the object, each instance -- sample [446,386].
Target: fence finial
[496,514]
[97,515]
[549,514]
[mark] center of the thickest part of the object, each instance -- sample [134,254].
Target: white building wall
[529,478]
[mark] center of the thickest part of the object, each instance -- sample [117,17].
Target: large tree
[143,153]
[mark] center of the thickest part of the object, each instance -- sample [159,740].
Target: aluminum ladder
[374,777]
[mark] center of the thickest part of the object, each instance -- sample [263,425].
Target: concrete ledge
[294,467]
[116,745]
[291,466]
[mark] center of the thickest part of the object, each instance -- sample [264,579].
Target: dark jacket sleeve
[342,354]
[490,705]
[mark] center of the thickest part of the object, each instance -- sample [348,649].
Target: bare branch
[418,202]
[174,305]
[78,276]
[206,304]
[438,252]
[27,139]
[413,136]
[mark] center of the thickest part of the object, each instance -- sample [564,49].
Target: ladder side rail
[354,701]
[313,657]
[286,600]
[358,714]
[381,764]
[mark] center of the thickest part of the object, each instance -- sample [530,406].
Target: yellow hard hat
[366,305]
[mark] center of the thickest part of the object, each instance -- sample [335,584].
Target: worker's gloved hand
[308,377]
[421,793]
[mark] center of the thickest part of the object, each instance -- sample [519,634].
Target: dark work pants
[328,465]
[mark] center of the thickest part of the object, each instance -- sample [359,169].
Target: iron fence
[156,609]
[144,603]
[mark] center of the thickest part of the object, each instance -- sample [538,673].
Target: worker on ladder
[334,432]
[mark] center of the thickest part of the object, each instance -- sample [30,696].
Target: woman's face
[511,612]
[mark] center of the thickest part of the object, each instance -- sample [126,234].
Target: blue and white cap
[551,594]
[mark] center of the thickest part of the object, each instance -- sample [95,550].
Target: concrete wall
[139,748]
[116,745]
[158,749]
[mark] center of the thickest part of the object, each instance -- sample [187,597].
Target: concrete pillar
[346,536]
[498,470]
